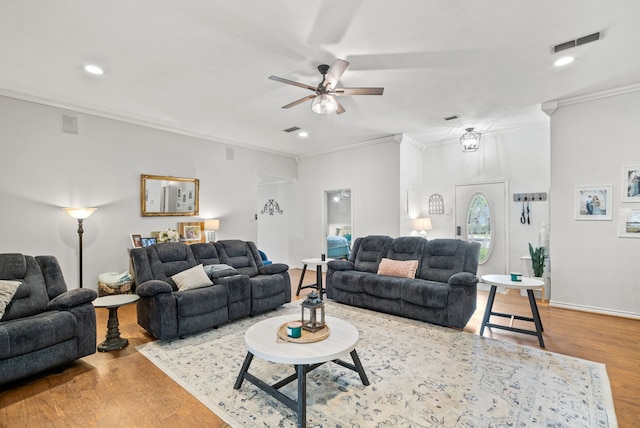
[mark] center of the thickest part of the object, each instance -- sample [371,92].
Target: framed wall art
[593,202]
[629,223]
[631,184]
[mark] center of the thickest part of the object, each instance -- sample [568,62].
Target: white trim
[595,310]
[395,138]
[598,95]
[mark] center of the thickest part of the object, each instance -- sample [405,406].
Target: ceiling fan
[324,97]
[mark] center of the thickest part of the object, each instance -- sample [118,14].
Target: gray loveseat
[44,325]
[241,287]
[443,291]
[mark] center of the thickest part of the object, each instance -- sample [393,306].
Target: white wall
[411,180]
[371,171]
[521,157]
[591,142]
[43,170]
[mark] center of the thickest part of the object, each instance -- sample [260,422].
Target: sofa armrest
[222,274]
[463,278]
[153,287]
[72,298]
[273,268]
[341,265]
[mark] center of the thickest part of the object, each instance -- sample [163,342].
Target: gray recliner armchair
[44,324]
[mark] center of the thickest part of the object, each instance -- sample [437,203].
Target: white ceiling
[201,66]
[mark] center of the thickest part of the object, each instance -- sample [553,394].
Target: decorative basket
[109,290]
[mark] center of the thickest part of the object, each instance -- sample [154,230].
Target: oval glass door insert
[479,225]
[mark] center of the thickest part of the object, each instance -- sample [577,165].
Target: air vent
[455,116]
[69,124]
[292,129]
[577,42]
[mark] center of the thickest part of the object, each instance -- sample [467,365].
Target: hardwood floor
[124,389]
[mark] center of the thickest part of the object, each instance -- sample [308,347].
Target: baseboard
[595,310]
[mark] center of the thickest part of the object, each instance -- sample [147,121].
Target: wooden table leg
[487,311]
[536,316]
[304,269]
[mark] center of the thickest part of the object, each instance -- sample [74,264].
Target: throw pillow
[7,290]
[399,268]
[209,269]
[192,278]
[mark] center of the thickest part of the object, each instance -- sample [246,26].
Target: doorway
[481,216]
[338,222]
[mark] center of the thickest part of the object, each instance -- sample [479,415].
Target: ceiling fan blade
[340,109]
[359,91]
[335,73]
[291,82]
[300,101]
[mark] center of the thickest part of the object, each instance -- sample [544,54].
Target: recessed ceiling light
[93,69]
[564,61]
[303,134]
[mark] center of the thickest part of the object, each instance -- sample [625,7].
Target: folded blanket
[115,279]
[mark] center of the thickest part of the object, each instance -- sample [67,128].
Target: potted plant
[537,260]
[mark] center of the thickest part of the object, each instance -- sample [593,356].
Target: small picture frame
[191,232]
[136,240]
[629,223]
[593,202]
[149,241]
[631,184]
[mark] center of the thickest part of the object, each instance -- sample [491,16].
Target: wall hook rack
[530,197]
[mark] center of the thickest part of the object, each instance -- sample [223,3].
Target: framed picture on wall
[629,224]
[593,202]
[631,184]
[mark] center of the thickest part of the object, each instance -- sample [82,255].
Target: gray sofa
[242,288]
[443,291]
[44,325]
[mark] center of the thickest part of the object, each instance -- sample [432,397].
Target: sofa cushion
[350,280]
[383,286]
[7,290]
[236,253]
[441,259]
[406,248]
[22,336]
[430,294]
[205,253]
[189,279]
[399,268]
[201,301]
[368,251]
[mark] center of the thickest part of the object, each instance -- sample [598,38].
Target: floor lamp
[80,214]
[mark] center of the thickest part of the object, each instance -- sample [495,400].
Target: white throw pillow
[192,278]
[7,290]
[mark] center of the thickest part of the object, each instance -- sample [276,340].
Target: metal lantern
[312,313]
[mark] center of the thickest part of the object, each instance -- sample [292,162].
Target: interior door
[338,222]
[495,192]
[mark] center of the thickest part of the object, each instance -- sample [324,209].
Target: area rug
[421,376]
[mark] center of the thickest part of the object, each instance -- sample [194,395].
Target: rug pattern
[421,376]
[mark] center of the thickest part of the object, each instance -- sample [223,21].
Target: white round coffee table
[261,340]
[114,341]
[529,284]
[319,263]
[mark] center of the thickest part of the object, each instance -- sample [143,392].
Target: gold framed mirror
[162,195]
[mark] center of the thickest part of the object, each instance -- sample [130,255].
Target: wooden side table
[114,342]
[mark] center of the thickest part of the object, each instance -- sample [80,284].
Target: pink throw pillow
[399,268]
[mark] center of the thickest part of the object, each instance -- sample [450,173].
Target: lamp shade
[79,213]
[324,104]
[212,224]
[423,223]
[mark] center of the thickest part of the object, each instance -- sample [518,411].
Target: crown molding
[147,123]
[394,138]
[561,102]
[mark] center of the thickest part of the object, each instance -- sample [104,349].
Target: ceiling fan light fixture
[324,104]
[470,140]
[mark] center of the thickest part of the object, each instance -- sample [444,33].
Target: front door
[481,216]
